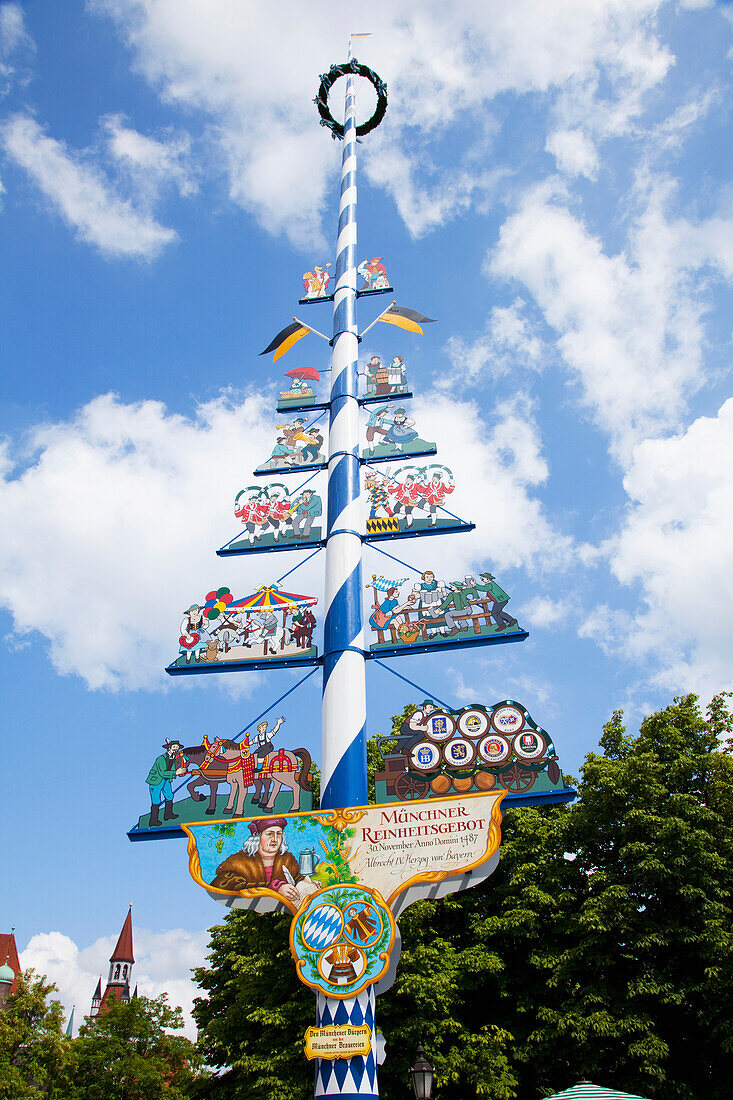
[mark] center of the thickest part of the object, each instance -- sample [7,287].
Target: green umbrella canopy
[584,1090]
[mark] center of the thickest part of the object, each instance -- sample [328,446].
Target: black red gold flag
[409,319]
[285,339]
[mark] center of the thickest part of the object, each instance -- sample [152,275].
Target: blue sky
[552,183]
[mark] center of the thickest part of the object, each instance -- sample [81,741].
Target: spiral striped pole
[343,735]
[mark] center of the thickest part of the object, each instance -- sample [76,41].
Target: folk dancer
[408,496]
[254,514]
[374,426]
[434,493]
[401,430]
[279,514]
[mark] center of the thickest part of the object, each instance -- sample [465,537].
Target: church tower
[120,971]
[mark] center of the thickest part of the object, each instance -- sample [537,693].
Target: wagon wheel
[517,779]
[409,786]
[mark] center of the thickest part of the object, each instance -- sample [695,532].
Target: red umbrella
[303,372]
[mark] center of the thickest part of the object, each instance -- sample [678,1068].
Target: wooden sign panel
[476,748]
[297,447]
[388,848]
[430,613]
[269,624]
[409,500]
[273,518]
[391,433]
[252,775]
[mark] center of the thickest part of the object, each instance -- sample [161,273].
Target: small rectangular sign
[337,1041]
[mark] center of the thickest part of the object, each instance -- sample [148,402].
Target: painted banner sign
[285,860]
[337,1041]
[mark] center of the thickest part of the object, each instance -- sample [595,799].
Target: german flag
[285,339]
[405,318]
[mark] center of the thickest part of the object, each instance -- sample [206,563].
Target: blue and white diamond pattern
[323,927]
[348,1078]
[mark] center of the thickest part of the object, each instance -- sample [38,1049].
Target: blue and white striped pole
[343,737]
[343,728]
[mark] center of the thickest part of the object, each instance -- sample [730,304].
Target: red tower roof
[123,950]
[9,952]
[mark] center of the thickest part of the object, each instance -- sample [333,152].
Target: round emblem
[494,749]
[529,745]
[362,924]
[507,720]
[341,940]
[341,964]
[323,927]
[459,753]
[440,727]
[473,723]
[424,756]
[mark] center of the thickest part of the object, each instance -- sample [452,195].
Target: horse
[226,761]
[292,772]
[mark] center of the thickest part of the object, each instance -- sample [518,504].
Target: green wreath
[329,79]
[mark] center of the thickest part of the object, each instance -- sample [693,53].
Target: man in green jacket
[456,605]
[501,598]
[159,782]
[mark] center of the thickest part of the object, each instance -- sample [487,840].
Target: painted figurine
[374,274]
[316,282]
[264,861]
[378,490]
[496,593]
[159,782]
[375,426]
[305,509]
[401,430]
[434,492]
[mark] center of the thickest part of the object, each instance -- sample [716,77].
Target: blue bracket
[292,544]
[442,643]
[202,668]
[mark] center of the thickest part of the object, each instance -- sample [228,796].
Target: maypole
[343,741]
[347,871]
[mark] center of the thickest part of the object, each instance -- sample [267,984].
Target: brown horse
[225,761]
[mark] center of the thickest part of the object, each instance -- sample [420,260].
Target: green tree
[127,1053]
[602,946]
[252,1023]
[35,1058]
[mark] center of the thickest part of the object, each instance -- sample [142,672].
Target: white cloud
[630,325]
[121,496]
[250,71]
[542,612]
[508,343]
[81,194]
[110,530]
[498,466]
[163,963]
[674,547]
[152,163]
[14,39]
[574,153]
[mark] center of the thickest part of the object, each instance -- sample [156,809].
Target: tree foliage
[35,1060]
[127,1053]
[601,947]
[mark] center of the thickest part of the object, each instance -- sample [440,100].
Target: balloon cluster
[216,602]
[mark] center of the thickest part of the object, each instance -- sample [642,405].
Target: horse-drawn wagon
[440,752]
